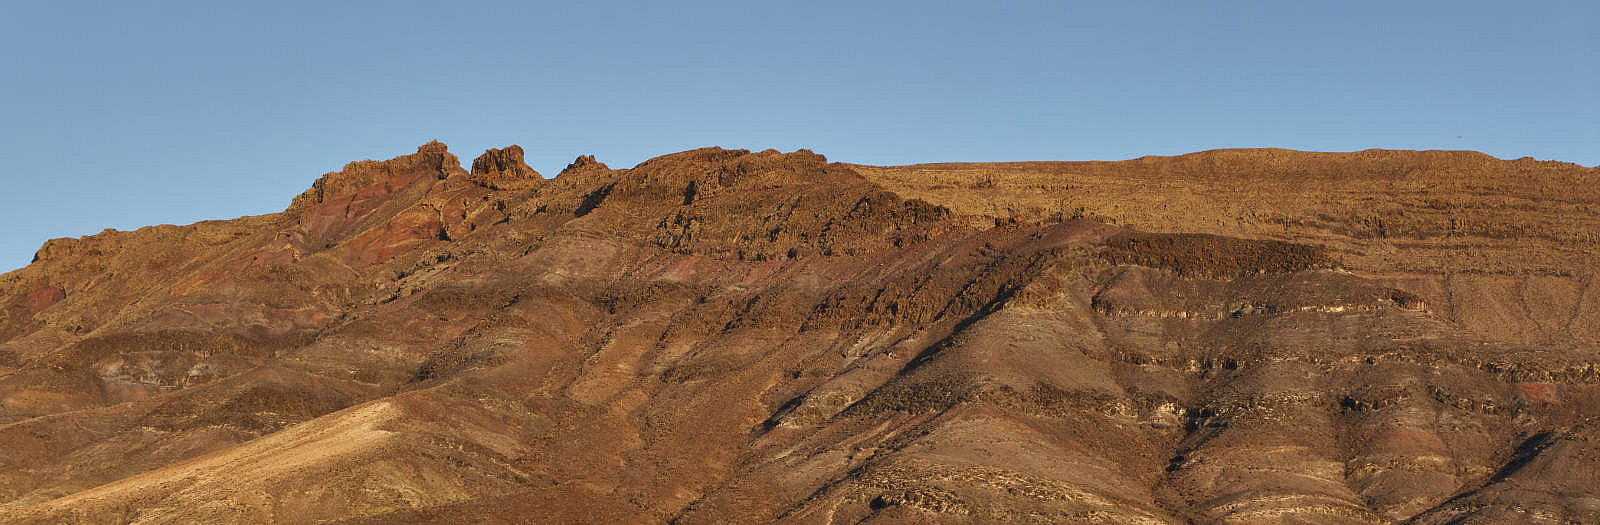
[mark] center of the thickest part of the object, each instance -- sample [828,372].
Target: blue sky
[124,114]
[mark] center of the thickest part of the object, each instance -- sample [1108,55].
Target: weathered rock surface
[714,336]
[502,168]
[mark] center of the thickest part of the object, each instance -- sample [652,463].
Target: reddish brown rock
[716,336]
[583,164]
[502,169]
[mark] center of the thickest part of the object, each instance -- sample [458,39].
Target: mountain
[721,336]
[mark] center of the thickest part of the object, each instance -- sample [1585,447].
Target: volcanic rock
[583,164]
[726,336]
[502,168]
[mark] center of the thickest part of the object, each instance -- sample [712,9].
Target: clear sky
[124,114]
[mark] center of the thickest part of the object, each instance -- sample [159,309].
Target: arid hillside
[721,336]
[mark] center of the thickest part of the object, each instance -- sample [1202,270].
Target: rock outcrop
[502,168]
[583,164]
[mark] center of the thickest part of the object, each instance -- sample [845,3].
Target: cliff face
[1241,336]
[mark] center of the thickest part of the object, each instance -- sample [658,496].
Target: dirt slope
[714,336]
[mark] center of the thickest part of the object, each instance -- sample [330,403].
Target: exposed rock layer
[1242,336]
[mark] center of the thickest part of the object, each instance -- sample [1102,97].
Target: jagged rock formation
[584,164]
[502,168]
[1241,336]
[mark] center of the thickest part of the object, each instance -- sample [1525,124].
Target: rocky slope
[1238,336]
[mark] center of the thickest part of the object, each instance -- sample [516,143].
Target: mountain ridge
[724,335]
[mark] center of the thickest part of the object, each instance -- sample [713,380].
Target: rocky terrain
[717,336]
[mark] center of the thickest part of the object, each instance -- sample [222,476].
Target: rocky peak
[583,164]
[503,168]
[433,146]
[709,170]
[431,160]
[504,161]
